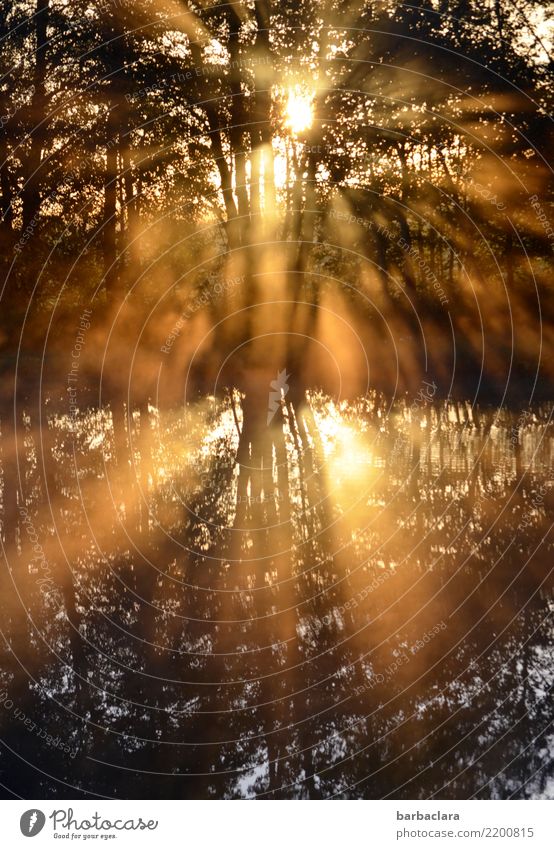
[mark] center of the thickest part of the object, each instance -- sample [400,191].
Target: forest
[276,442]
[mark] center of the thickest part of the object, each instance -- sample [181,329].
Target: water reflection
[351,602]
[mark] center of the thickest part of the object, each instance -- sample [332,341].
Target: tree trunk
[109,226]
[31,194]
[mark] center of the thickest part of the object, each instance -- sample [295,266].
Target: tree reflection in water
[350,602]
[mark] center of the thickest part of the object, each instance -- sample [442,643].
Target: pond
[351,600]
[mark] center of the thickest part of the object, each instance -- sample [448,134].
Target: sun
[299,114]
